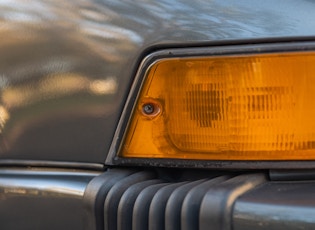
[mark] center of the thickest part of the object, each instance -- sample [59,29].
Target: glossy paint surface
[67,66]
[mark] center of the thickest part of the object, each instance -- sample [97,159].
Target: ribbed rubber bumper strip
[136,200]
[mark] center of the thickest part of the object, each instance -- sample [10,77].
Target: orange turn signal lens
[249,107]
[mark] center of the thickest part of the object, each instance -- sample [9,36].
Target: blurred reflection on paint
[66,66]
[4,116]
[107,86]
[55,86]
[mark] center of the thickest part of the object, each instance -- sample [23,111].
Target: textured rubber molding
[140,200]
[217,205]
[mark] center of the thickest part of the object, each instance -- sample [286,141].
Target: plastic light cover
[251,107]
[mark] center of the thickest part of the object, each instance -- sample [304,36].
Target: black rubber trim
[192,202]
[289,175]
[136,199]
[142,199]
[284,205]
[219,165]
[126,204]
[217,205]
[174,205]
[114,195]
[140,217]
[95,194]
[158,205]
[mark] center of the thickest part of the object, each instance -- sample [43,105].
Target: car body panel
[66,67]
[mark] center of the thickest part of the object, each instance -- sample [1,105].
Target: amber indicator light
[253,107]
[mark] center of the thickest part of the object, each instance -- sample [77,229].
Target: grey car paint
[66,66]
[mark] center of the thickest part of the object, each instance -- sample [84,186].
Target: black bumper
[133,199]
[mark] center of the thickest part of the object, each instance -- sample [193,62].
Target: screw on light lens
[151,109]
[148,109]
